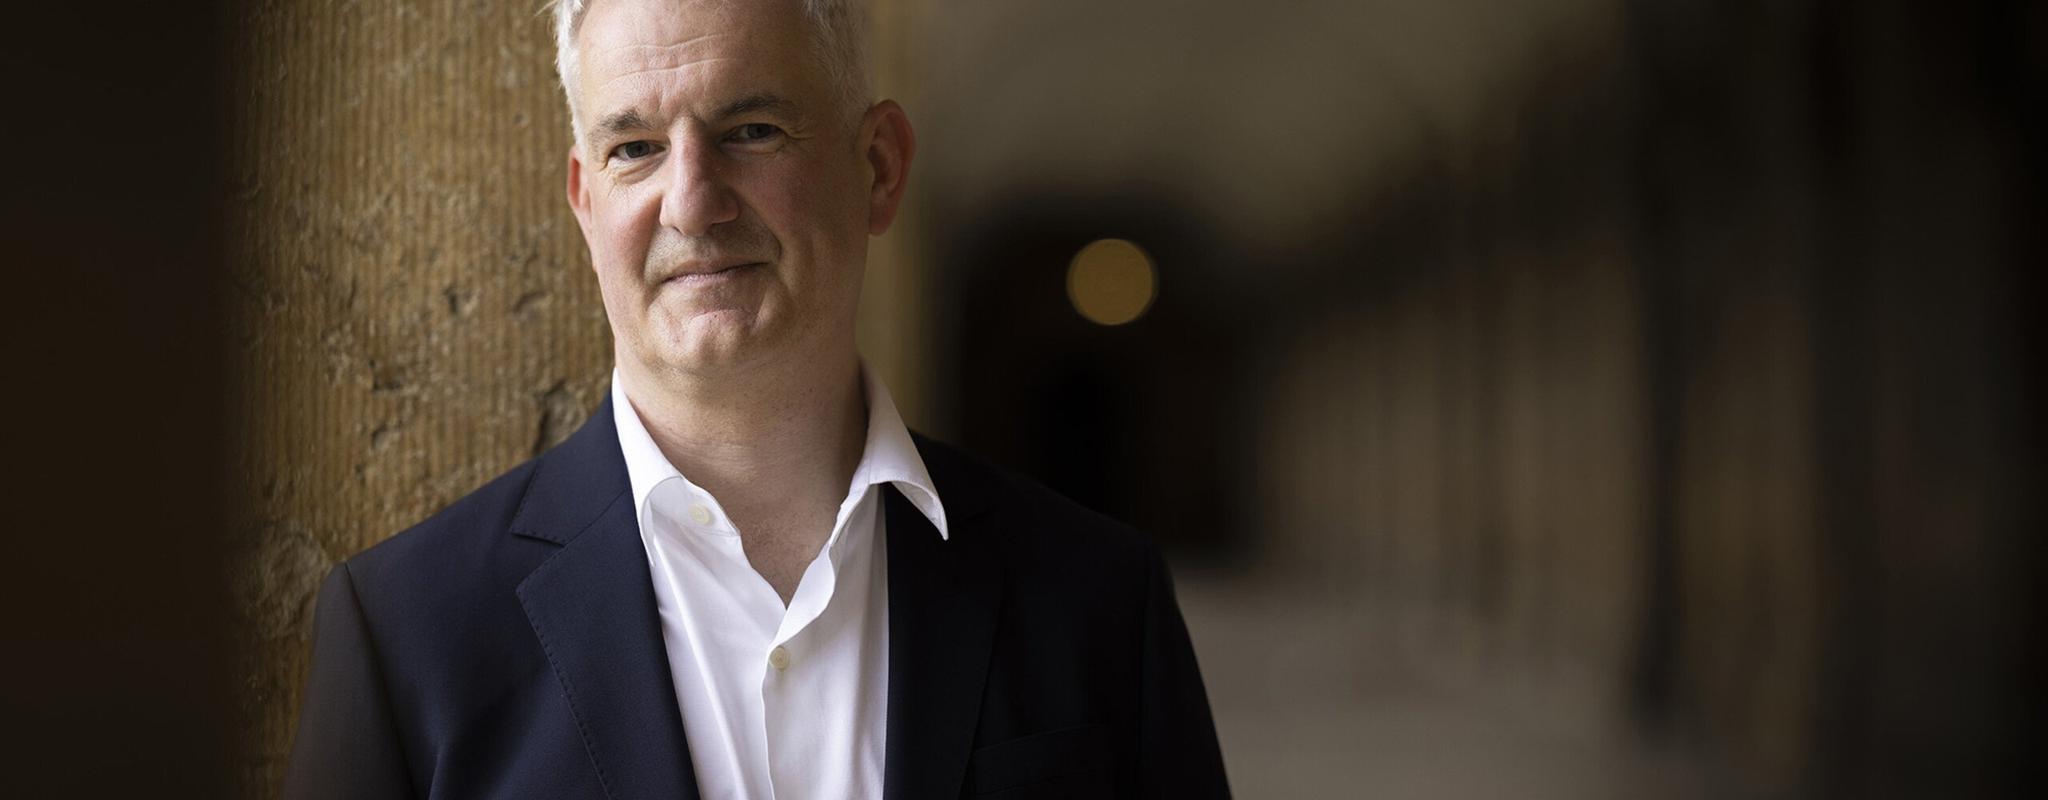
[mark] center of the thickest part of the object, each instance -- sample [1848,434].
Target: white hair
[838,35]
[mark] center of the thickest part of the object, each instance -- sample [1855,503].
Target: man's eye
[634,151]
[755,132]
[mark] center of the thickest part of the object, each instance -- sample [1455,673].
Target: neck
[765,438]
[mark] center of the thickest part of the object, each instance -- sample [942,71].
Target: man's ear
[890,145]
[579,190]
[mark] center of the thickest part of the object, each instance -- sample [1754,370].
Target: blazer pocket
[1067,763]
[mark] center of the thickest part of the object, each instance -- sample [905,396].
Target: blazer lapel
[592,605]
[943,598]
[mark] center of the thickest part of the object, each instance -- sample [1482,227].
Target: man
[743,578]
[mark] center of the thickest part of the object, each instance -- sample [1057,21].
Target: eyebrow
[630,120]
[758,102]
[621,122]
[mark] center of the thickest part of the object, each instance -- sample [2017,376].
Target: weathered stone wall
[414,311]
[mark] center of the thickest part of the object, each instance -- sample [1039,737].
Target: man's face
[725,196]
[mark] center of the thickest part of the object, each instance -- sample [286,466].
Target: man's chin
[712,342]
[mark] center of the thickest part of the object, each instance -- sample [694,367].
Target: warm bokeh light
[1111,282]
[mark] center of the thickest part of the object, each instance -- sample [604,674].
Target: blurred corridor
[1582,399]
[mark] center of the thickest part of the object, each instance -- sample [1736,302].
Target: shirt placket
[788,672]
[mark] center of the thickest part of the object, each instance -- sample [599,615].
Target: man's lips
[691,275]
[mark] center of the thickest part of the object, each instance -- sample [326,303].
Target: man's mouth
[691,276]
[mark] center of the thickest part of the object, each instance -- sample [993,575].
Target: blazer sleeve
[347,744]
[1178,756]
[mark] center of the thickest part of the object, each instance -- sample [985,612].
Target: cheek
[818,216]
[618,251]
[621,231]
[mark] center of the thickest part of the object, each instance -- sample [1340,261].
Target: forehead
[667,53]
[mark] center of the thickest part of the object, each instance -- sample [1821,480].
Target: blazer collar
[575,482]
[592,606]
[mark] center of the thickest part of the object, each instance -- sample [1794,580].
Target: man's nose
[698,196]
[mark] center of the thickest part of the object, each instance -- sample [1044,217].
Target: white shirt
[777,703]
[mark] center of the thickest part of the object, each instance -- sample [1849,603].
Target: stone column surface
[412,307]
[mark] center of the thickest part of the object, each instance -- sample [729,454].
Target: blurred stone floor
[1311,702]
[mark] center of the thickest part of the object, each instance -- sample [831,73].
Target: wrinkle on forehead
[637,73]
[626,59]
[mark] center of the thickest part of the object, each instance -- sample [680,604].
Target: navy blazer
[509,647]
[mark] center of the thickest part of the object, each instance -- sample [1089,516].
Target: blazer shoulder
[451,543]
[1028,514]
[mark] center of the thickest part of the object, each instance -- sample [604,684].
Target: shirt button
[700,515]
[779,658]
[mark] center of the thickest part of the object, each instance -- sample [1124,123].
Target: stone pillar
[413,307]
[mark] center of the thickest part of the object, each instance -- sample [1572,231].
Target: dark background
[113,605]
